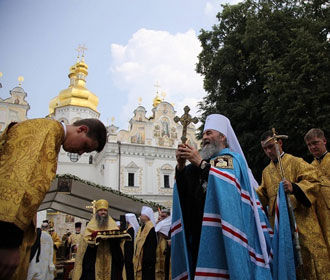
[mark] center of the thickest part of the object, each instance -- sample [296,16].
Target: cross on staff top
[185,120]
[92,206]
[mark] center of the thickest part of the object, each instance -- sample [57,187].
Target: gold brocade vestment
[313,248]
[28,161]
[57,243]
[103,255]
[138,252]
[323,200]
[161,256]
[74,240]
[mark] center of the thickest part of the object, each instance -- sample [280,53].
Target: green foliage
[266,64]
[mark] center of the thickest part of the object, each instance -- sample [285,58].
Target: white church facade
[139,161]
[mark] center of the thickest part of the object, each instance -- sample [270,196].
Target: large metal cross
[92,206]
[185,120]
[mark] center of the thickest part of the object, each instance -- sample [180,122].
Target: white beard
[209,150]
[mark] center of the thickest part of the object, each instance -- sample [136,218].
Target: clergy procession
[222,225]
[184,140]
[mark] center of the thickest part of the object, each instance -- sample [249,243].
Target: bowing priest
[145,246]
[28,161]
[99,254]
[302,184]
[218,230]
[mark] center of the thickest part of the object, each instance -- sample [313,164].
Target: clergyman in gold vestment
[74,239]
[302,183]
[316,143]
[28,161]
[100,253]
[144,259]
[163,257]
[57,243]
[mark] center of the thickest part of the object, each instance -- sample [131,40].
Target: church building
[139,161]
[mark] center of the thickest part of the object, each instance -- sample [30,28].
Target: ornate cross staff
[92,206]
[279,159]
[185,120]
[290,209]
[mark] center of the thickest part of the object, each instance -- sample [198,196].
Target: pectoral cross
[92,206]
[185,120]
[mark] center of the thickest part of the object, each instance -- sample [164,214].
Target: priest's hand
[287,186]
[181,161]
[9,261]
[188,152]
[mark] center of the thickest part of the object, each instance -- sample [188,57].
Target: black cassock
[88,265]
[149,256]
[128,255]
[192,195]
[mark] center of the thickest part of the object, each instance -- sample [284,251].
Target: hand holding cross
[185,120]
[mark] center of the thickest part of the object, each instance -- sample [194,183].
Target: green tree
[266,64]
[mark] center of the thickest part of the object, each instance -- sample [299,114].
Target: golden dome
[76,94]
[156,101]
[72,71]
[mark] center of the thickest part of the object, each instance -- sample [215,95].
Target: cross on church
[92,206]
[78,51]
[157,86]
[81,50]
[185,120]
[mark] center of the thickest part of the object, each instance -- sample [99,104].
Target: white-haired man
[145,246]
[214,199]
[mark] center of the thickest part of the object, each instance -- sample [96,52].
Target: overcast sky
[131,46]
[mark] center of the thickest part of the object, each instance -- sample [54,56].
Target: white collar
[64,127]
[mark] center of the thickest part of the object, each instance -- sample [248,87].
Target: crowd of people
[108,249]
[223,220]
[130,250]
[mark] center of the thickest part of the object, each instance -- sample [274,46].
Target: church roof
[83,192]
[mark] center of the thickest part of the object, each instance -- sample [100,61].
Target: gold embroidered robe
[57,243]
[94,237]
[140,240]
[314,251]
[323,200]
[161,256]
[28,161]
[74,239]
